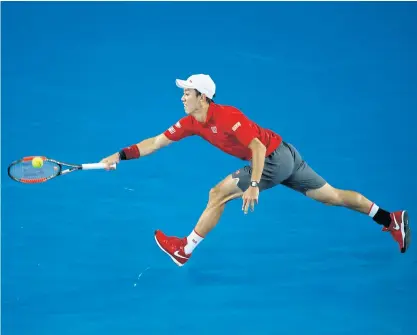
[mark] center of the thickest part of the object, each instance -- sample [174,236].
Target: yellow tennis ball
[37,162]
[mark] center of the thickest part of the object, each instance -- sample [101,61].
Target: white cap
[200,82]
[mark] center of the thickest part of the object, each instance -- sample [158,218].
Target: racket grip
[95,166]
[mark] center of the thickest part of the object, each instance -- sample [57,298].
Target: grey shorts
[284,166]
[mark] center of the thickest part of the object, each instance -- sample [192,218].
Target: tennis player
[272,161]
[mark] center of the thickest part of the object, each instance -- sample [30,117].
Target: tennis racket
[23,171]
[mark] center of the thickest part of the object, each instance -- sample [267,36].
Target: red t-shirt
[228,129]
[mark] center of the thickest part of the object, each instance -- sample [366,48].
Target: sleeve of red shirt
[237,124]
[180,130]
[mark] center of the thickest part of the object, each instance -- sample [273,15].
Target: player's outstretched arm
[146,147]
[150,145]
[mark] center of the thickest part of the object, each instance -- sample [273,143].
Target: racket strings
[25,172]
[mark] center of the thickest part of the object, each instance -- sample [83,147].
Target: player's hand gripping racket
[39,169]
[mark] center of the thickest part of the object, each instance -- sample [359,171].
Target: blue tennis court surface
[82,80]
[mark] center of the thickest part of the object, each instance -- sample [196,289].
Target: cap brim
[183,84]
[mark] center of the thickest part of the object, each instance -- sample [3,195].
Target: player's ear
[202,97]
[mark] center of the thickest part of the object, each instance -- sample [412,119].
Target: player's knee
[218,195]
[215,195]
[336,198]
[333,198]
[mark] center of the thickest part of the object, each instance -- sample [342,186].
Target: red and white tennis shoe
[173,247]
[400,229]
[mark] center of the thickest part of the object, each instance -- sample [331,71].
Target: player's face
[191,101]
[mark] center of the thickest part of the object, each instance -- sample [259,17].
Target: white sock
[192,241]
[373,210]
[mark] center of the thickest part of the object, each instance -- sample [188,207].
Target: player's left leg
[329,195]
[396,222]
[307,181]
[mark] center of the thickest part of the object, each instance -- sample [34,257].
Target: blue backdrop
[82,80]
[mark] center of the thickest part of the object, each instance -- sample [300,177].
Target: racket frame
[59,164]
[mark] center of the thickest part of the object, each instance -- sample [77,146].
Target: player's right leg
[278,167]
[180,249]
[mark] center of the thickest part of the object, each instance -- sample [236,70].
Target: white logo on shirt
[178,124]
[171,130]
[237,125]
[214,130]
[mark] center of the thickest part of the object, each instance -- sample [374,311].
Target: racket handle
[95,166]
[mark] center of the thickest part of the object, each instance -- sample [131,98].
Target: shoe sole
[175,261]
[407,232]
